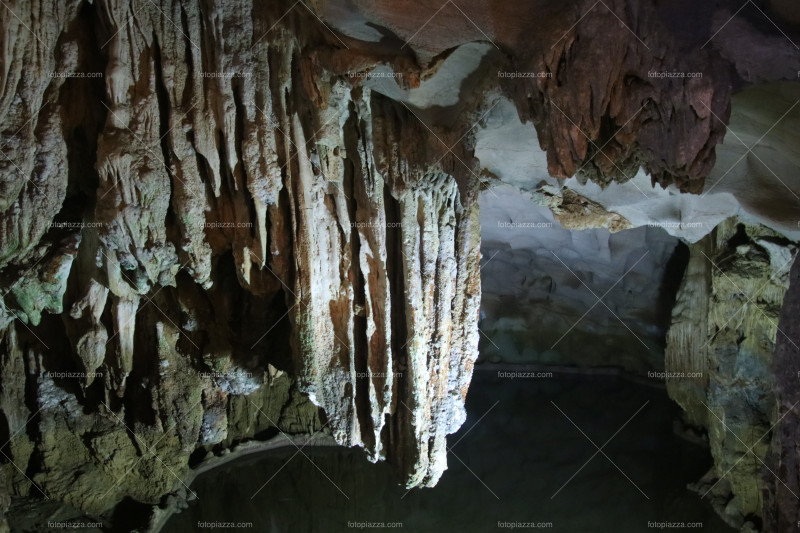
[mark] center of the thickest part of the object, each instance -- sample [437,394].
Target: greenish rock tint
[198,259]
[719,356]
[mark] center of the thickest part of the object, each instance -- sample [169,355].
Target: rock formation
[719,356]
[225,219]
[216,210]
[546,289]
[780,494]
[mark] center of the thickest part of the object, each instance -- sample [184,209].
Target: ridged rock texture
[720,357]
[219,227]
[588,73]
[226,231]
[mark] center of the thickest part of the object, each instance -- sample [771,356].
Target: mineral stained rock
[213,225]
[720,357]
[610,85]
[216,228]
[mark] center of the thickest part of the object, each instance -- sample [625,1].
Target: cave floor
[518,458]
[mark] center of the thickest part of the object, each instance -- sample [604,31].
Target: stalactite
[228,138]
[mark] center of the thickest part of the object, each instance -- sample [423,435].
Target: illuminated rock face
[219,228]
[720,356]
[610,86]
[254,211]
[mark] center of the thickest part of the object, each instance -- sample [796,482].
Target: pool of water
[524,457]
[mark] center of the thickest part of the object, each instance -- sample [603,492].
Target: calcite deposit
[227,220]
[720,356]
[218,234]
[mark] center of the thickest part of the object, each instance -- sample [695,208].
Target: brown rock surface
[239,227]
[208,221]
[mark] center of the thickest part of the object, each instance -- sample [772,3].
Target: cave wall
[720,356]
[211,239]
[782,478]
[232,219]
[543,274]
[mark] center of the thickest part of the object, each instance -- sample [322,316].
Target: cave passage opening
[584,298]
